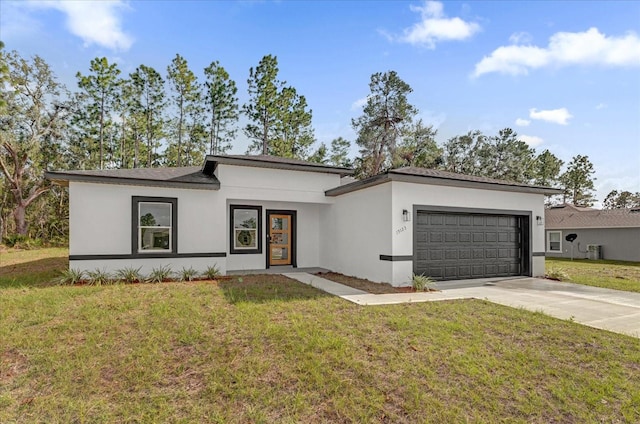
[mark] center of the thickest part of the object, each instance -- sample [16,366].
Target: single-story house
[259,212]
[599,234]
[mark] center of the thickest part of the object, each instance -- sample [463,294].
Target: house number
[401,229]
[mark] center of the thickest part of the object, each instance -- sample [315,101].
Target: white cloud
[565,49]
[435,27]
[360,103]
[522,122]
[556,116]
[432,118]
[520,38]
[601,106]
[531,140]
[96,22]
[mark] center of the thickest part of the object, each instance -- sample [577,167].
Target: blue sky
[564,75]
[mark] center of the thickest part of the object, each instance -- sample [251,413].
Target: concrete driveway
[612,310]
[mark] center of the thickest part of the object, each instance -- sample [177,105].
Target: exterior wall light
[539,220]
[406,216]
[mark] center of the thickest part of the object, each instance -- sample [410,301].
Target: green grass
[269,349]
[32,268]
[618,275]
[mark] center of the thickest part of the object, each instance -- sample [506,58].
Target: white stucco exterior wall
[100,218]
[356,230]
[100,224]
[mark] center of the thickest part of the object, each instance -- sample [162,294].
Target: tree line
[151,119]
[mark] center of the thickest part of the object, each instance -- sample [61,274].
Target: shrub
[70,277]
[421,282]
[158,275]
[98,277]
[18,241]
[558,274]
[129,274]
[12,240]
[212,272]
[188,274]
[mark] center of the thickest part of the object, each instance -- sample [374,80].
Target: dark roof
[438,177]
[275,162]
[183,177]
[573,217]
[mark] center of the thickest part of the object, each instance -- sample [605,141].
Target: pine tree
[222,107]
[386,117]
[577,182]
[99,89]
[150,103]
[186,95]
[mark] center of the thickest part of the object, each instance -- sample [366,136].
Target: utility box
[594,251]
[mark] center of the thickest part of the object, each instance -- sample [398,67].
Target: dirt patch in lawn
[366,285]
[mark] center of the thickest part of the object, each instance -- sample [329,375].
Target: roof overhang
[63,178]
[212,161]
[441,181]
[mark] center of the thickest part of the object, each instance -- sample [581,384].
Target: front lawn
[32,268]
[617,275]
[269,349]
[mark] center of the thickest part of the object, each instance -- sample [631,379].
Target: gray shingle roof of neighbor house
[275,162]
[438,177]
[183,177]
[573,217]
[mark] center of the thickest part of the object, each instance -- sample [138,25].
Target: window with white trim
[246,227]
[554,241]
[154,225]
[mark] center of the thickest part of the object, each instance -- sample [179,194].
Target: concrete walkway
[612,310]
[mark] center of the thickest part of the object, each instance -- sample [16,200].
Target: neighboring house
[606,234]
[258,212]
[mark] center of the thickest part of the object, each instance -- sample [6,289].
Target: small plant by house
[129,274]
[188,274]
[422,282]
[158,275]
[212,272]
[71,276]
[98,277]
[558,274]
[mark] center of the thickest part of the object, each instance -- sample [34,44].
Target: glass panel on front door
[280,239]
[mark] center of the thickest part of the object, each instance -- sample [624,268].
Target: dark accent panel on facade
[141,256]
[396,258]
[538,254]
[461,243]
[135,200]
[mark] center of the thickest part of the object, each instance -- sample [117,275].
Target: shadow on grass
[36,273]
[263,288]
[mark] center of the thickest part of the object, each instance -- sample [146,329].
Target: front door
[281,238]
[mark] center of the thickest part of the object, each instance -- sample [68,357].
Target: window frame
[136,228]
[549,249]
[240,251]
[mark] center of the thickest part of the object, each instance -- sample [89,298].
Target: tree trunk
[19,215]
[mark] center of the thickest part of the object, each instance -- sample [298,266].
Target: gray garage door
[452,246]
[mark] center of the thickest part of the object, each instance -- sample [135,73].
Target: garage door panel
[459,246]
[435,237]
